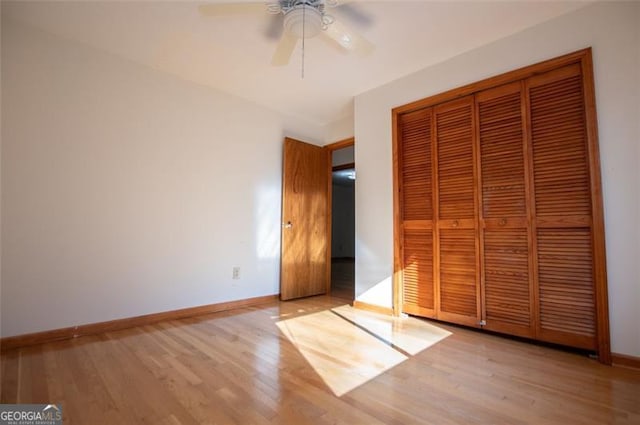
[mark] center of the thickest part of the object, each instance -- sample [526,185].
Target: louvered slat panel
[418,270]
[455,162]
[565,274]
[560,158]
[415,156]
[458,271]
[505,250]
[501,155]
[506,273]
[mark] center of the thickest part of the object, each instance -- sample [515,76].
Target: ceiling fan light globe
[303,21]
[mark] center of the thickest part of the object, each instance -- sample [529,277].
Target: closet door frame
[584,58]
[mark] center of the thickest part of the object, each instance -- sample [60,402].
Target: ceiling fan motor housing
[303,21]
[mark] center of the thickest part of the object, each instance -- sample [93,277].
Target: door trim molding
[344,143]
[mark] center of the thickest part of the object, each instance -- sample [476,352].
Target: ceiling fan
[294,20]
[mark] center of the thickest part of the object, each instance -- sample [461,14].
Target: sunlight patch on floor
[408,333]
[343,355]
[348,347]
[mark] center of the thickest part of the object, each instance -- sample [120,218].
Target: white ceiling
[230,53]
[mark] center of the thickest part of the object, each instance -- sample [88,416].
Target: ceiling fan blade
[349,39]
[275,28]
[284,50]
[217,9]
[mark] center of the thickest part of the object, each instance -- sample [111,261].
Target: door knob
[287,225]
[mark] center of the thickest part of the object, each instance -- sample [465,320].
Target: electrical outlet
[236,273]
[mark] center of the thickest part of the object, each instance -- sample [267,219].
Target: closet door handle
[287,225]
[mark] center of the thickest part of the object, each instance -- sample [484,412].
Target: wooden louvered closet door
[498,206]
[457,268]
[507,285]
[415,187]
[562,208]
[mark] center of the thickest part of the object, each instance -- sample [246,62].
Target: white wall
[612,29]
[126,191]
[637,238]
[0,182]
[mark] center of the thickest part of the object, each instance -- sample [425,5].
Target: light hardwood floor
[260,365]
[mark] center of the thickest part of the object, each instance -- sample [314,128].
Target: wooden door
[415,191]
[562,206]
[303,266]
[457,264]
[507,276]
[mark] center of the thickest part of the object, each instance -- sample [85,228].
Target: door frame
[330,148]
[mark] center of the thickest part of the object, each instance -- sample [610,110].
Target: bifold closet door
[507,283]
[457,267]
[416,211]
[562,199]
